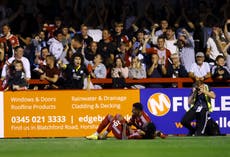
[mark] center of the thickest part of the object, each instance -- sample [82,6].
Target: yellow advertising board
[1,115]
[62,113]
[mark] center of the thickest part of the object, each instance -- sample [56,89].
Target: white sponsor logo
[159,104]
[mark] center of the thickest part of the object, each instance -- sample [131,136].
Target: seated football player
[118,125]
[141,120]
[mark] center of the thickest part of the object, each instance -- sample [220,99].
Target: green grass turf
[80,147]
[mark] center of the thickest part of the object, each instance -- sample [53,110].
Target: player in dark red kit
[141,120]
[118,125]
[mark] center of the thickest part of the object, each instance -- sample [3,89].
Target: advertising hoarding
[166,108]
[68,113]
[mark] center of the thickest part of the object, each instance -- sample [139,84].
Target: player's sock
[103,124]
[104,135]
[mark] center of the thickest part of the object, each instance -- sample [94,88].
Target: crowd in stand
[113,39]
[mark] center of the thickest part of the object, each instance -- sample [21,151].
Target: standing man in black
[200,101]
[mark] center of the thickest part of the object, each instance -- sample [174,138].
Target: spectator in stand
[66,56]
[75,72]
[220,71]
[39,61]
[91,52]
[10,41]
[48,29]
[119,35]
[29,49]
[175,64]
[170,41]
[40,41]
[96,68]
[214,44]
[175,69]
[67,36]
[186,49]
[16,80]
[58,23]
[18,55]
[119,69]
[201,35]
[84,35]
[106,48]
[163,28]
[139,45]
[77,44]
[156,70]
[119,73]
[137,71]
[56,47]
[200,70]
[124,52]
[162,52]
[40,57]
[50,72]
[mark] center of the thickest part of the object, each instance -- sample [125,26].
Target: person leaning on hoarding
[200,101]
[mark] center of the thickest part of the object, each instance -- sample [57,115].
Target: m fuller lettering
[223,122]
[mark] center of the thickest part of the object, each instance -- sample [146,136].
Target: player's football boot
[161,134]
[92,137]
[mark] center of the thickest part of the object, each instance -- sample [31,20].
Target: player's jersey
[140,121]
[116,126]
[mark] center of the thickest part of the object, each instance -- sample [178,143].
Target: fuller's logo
[159,104]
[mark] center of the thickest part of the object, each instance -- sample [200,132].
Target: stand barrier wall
[77,113]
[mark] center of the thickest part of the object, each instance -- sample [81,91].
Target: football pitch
[80,147]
